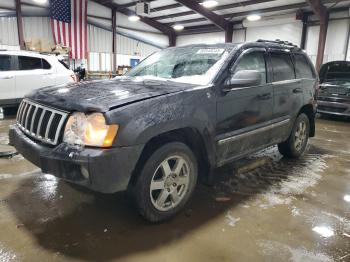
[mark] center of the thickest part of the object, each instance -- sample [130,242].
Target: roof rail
[278,41]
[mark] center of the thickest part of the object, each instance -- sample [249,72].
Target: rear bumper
[102,170]
[334,106]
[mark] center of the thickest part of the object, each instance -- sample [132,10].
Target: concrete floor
[263,208]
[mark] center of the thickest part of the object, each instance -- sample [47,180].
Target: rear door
[244,113]
[7,79]
[32,75]
[288,93]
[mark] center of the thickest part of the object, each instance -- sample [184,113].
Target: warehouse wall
[335,44]
[99,41]
[278,27]
[100,48]
[286,28]
[37,28]
[8,31]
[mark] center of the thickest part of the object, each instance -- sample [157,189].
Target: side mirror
[243,78]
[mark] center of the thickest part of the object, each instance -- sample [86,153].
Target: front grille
[41,122]
[336,90]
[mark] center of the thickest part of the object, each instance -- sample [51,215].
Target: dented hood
[101,96]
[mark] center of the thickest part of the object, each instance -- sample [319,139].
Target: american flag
[69,25]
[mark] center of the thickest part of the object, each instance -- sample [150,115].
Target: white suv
[22,72]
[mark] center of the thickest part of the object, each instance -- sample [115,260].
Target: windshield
[194,65]
[337,72]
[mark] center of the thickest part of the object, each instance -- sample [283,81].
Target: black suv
[334,95]
[175,117]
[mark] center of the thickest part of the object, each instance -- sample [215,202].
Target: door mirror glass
[244,78]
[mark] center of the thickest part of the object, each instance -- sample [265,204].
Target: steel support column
[20,24]
[114,47]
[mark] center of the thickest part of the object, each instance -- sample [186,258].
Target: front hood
[101,96]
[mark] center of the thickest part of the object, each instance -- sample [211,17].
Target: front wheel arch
[190,137]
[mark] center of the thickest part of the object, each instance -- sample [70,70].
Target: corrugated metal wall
[100,48]
[100,41]
[8,31]
[336,41]
[37,28]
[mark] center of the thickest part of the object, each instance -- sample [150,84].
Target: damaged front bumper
[334,105]
[102,170]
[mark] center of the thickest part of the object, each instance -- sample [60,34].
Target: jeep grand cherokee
[176,116]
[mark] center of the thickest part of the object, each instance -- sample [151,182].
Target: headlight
[90,130]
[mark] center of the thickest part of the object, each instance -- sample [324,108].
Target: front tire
[166,182]
[296,144]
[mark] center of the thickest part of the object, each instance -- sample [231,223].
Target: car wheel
[296,144]
[166,182]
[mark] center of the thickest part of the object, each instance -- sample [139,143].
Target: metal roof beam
[261,11]
[165,29]
[217,8]
[211,16]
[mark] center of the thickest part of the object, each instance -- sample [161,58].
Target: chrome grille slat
[19,110]
[49,126]
[23,113]
[33,120]
[30,119]
[27,118]
[40,122]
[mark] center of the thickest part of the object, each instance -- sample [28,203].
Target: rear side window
[253,61]
[282,66]
[5,63]
[302,67]
[29,63]
[46,64]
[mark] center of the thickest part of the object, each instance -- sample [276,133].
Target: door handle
[6,77]
[264,96]
[297,90]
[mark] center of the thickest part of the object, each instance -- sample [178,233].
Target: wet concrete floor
[263,208]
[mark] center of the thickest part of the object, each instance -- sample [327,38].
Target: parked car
[177,115]
[22,72]
[334,95]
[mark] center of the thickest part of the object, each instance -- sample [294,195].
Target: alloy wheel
[169,183]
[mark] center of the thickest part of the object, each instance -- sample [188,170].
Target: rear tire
[166,182]
[296,144]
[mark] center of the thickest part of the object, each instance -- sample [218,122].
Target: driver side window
[252,61]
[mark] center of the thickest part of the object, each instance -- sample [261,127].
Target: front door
[7,80]
[244,113]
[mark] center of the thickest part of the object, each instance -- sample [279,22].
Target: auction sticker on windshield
[211,51]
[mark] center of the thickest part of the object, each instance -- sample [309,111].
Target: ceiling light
[347,198]
[40,1]
[209,3]
[253,17]
[178,27]
[134,18]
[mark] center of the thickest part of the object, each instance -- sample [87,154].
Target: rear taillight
[74,77]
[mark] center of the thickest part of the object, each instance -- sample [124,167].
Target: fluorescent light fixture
[178,27]
[253,17]
[134,18]
[209,3]
[40,1]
